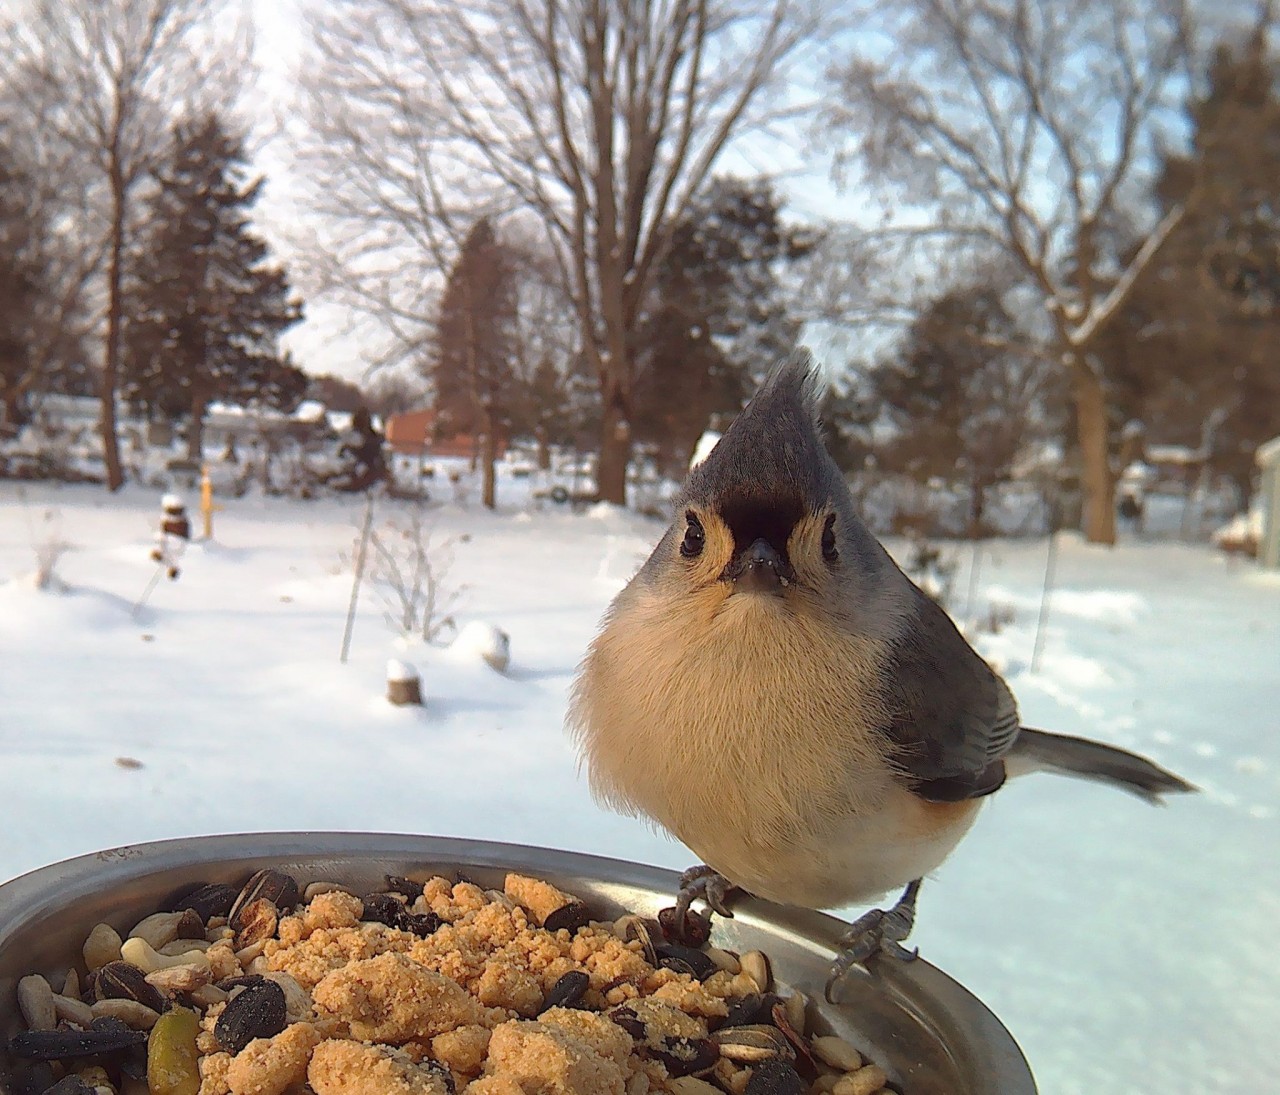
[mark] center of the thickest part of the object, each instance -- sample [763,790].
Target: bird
[774,691]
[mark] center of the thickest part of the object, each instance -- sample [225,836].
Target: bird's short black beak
[759,569]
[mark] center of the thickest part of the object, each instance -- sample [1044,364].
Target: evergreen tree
[960,392]
[472,366]
[336,393]
[718,320]
[206,310]
[1194,350]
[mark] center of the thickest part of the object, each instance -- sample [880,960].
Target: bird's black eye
[694,537]
[829,551]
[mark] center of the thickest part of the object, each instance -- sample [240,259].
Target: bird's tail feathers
[1039,750]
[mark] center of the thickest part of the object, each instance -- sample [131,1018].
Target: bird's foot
[689,927]
[879,931]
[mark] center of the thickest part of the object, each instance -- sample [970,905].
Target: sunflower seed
[647,932]
[257,1011]
[775,1078]
[276,886]
[685,1056]
[206,900]
[57,1045]
[681,959]
[569,917]
[567,991]
[123,981]
[257,923]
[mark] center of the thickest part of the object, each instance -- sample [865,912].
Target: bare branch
[601,118]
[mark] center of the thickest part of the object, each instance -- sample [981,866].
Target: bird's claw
[681,923]
[706,883]
[879,931]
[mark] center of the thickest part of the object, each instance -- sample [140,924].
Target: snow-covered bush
[408,572]
[49,547]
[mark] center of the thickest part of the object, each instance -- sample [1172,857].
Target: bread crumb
[540,898]
[354,1068]
[393,999]
[267,1066]
[213,1074]
[550,1060]
[462,1049]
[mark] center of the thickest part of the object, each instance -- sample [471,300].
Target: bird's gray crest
[774,447]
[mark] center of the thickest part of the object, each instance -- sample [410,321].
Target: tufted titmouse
[774,691]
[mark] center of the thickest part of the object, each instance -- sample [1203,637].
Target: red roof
[412,433]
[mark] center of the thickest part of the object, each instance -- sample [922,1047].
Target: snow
[484,641]
[1128,949]
[398,671]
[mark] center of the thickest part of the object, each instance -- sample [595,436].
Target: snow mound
[482,640]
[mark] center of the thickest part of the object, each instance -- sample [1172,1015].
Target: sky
[325,342]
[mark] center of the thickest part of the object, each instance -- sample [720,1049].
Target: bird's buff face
[751,555]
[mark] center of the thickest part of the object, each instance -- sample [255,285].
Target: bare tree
[103,77]
[56,204]
[603,117]
[1031,126]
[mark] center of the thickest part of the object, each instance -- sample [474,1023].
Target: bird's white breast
[751,732]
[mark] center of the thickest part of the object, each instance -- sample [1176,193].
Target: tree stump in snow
[404,686]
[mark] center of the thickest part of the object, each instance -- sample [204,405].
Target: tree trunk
[977,506]
[615,450]
[115,308]
[489,492]
[195,430]
[1096,481]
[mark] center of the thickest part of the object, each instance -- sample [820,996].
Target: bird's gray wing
[951,718]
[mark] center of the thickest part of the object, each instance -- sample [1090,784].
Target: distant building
[413,434]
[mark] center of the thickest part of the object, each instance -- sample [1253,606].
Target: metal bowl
[931,1035]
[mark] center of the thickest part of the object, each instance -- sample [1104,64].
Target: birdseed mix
[428,988]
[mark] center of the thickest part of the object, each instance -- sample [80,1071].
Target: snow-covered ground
[1128,949]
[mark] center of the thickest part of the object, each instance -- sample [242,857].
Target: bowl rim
[48,889]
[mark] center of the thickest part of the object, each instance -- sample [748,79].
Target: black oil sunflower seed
[747,1010]
[57,1045]
[70,1085]
[206,900]
[382,908]
[567,992]
[419,924]
[685,1056]
[688,960]
[258,1011]
[397,884]
[775,1078]
[629,1021]
[571,916]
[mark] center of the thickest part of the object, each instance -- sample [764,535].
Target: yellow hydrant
[206,501]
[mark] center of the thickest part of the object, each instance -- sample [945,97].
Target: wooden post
[404,686]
